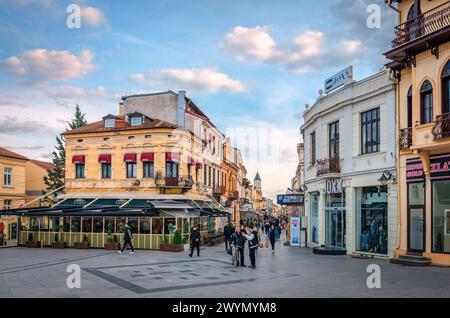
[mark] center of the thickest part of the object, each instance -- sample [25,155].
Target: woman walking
[272,237]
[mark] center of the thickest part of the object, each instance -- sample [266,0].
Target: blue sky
[245,63]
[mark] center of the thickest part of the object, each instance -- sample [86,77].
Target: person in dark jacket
[195,241]
[272,237]
[228,231]
[253,245]
[238,240]
[127,239]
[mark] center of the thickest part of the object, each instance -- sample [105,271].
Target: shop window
[133,223]
[186,228]
[7,176]
[54,223]
[204,223]
[157,224]
[75,225]
[370,131]
[87,225]
[66,224]
[144,225]
[98,225]
[372,220]
[441,216]
[120,225]
[446,89]
[416,194]
[110,225]
[426,103]
[168,223]
[314,217]
[44,223]
[79,171]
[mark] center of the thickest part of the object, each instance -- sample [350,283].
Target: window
[446,89]
[87,224]
[7,204]
[131,170]
[7,176]
[426,103]
[171,169]
[333,138]
[106,171]
[144,225]
[409,107]
[80,171]
[204,175]
[370,131]
[149,170]
[110,123]
[313,149]
[214,145]
[98,225]
[209,176]
[136,121]
[441,216]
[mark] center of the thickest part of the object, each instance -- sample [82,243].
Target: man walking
[252,244]
[227,231]
[195,240]
[272,237]
[238,241]
[127,239]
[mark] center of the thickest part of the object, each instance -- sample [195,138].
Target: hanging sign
[338,79]
[414,170]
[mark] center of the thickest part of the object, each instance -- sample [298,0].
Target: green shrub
[116,240]
[56,238]
[177,238]
[30,237]
[85,239]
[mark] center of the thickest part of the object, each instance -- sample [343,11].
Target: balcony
[327,166]
[234,195]
[184,182]
[421,33]
[405,138]
[441,127]
[219,190]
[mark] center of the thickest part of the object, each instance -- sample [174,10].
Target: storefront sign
[338,79]
[333,186]
[295,231]
[440,167]
[414,170]
[291,199]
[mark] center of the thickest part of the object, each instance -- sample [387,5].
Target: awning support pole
[103,195]
[68,197]
[133,197]
[51,192]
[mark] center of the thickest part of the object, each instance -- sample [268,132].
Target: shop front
[335,216]
[8,230]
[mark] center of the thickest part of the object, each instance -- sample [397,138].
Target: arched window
[426,103]
[410,13]
[446,89]
[409,107]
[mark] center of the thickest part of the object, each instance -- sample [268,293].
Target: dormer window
[110,123]
[136,121]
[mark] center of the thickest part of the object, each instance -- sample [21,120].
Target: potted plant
[31,243]
[56,242]
[84,244]
[111,241]
[176,246]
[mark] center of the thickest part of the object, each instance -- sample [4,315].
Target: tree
[56,178]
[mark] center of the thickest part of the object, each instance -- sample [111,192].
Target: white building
[349,141]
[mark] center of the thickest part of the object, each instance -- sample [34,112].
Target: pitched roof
[257,177]
[7,153]
[121,124]
[44,164]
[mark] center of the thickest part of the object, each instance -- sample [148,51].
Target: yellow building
[35,171]
[420,64]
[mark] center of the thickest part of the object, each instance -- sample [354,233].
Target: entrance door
[335,227]
[416,229]
[9,233]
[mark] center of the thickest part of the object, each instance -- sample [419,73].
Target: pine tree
[56,178]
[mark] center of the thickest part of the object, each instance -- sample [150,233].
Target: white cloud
[309,51]
[71,92]
[22,3]
[51,65]
[93,17]
[196,79]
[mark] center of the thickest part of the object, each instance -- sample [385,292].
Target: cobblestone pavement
[289,272]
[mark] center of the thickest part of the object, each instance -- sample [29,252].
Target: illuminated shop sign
[439,168]
[290,199]
[338,79]
[414,170]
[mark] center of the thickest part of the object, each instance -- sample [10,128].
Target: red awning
[78,159]
[130,157]
[149,156]
[173,156]
[199,165]
[104,158]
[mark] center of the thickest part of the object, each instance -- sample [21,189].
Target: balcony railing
[327,166]
[405,138]
[441,127]
[176,182]
[219,190]
[426,23]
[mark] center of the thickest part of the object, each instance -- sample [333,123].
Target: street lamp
[386,177]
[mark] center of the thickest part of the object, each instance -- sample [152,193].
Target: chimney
[181,108]
[121,109]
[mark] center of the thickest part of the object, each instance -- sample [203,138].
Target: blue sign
[291,199]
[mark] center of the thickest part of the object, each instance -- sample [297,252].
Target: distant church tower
[257,182]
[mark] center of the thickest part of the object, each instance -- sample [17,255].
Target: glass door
[416,230]
[335,227]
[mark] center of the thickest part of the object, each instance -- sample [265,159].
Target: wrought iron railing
[326,166]
[441,127]
[180,181]
[405,138]
[426,23]
[219,190]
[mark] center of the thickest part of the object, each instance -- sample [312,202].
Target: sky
[250,65]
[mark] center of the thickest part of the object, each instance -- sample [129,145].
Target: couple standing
[238,239]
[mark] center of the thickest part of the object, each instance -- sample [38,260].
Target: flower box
[171,247]
[82,245]
[33,244]
[112,246]
[58,245]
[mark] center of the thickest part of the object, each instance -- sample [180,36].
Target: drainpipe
[390,5]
